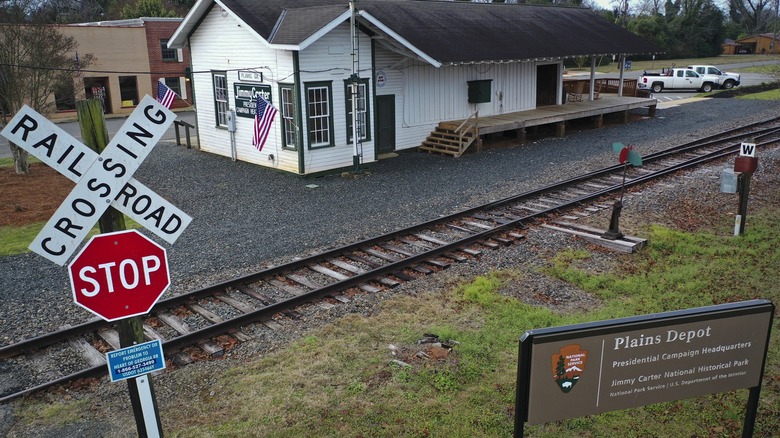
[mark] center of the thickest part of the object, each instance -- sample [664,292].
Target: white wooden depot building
[418,63]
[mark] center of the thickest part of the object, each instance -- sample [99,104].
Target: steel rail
[390,268]
[38,342]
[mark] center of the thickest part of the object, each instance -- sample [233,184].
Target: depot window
[287,111]
[175,85]
[319,112]
[220,97]
[168,54]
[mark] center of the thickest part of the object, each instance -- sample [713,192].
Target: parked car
[725,80]
[677,79]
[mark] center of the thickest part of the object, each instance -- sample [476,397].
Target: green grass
[764,95]
[9,161]
[15,240]
[340,381]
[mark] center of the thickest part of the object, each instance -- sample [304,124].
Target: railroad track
[207,321]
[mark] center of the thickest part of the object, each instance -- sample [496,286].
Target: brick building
[130,57]
[167,64]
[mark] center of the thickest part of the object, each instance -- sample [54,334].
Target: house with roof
[404,67]
[764,43]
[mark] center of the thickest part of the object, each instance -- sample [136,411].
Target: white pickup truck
[677,79]
[725,80]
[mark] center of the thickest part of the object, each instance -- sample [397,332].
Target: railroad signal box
[728,181]
[119,275]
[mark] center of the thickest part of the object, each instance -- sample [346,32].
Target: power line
[81,70]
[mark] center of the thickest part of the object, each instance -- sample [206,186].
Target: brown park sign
[573,371]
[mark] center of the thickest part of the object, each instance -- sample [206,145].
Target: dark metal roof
[453,32]
[296,25]
[262,15]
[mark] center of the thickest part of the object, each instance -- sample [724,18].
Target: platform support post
[560,129]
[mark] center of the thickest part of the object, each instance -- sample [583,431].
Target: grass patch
[53,412]
[9,161]
[764,95]
[340,380]
[15,240]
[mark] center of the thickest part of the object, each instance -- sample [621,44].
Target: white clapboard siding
[425,95]
[329,60]
[219,44]
[393,65]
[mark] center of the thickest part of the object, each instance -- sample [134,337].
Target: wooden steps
[445,140]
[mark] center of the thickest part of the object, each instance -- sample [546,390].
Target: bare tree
[753,14]
[35,61]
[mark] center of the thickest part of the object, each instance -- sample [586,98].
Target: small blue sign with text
[135,360]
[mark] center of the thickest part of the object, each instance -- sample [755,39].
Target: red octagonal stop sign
[119,275]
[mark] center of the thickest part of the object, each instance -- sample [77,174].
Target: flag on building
[165,95]
[264,116]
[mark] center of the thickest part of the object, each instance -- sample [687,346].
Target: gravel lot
[247,218]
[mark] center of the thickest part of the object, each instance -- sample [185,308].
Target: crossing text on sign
[102,179]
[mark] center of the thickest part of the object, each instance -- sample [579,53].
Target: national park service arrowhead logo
[568,365]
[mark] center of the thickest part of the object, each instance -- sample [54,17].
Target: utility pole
[355,83]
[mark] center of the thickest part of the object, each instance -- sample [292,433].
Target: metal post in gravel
[744,165]
[95,135]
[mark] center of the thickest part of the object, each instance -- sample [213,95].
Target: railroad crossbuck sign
[119,275]
[102,180]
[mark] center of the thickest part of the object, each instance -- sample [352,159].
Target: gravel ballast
[246,218]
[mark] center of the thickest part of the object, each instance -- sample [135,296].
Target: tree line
[695,28]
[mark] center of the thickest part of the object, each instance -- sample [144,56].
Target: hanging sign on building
[245,98]
[250,76]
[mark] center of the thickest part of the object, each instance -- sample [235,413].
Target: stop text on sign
[127,271]
[119,275]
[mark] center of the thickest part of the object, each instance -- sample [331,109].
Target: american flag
[165,95]
[264,116]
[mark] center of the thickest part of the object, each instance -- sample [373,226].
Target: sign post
[744,165]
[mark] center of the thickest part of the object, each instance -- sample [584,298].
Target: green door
[385,124]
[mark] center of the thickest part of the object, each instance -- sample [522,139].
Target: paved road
[113,125]
[747,79]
